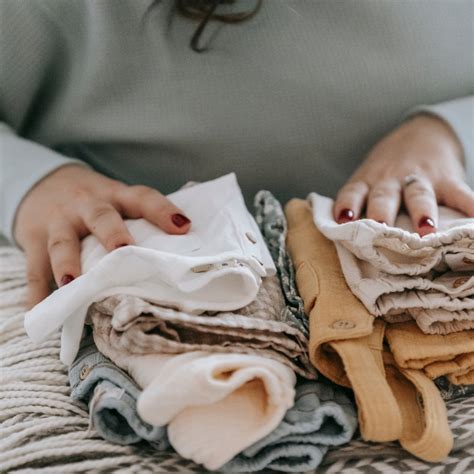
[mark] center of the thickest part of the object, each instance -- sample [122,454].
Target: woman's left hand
[419,164]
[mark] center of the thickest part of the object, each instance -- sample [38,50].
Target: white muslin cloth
[216,266]
[399,275]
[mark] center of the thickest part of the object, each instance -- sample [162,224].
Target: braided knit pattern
[41,428]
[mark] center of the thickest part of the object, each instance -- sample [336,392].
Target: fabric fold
[216,266]
[215,405]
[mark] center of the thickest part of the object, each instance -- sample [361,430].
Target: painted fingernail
[66,279]
[426,221]
[179,220]
[120,245]
[346,215]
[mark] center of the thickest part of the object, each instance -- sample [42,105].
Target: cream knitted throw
[41,428]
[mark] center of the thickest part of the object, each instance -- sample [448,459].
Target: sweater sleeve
[30,51]
[459,115]
[22,164]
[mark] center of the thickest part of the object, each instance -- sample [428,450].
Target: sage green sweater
[291,100]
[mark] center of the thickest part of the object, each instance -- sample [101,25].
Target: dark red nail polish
[346,215]
[120,245]
[426,221]
[66,279]
[179,220]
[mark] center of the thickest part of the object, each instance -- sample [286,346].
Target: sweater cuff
[22,165]
[459,115]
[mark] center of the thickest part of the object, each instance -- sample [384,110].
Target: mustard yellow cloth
[347,346]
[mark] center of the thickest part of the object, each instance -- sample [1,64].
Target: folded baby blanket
[261,328]
[215,405]
[322,416]
[216,266]
[399,275]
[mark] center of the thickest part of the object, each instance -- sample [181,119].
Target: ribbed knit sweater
[290,100]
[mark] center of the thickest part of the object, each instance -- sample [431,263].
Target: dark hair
[206,11]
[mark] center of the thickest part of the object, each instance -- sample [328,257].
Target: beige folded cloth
[261,328]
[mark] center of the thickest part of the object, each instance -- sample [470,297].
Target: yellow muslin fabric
[347,346]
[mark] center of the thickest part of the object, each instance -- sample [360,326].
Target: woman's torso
[291,100]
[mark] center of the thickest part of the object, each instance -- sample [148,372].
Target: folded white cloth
[399,275]
[215,405]
[399,250]
[217,266]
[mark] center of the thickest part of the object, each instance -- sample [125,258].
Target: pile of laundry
[389,312]
[209,343]
[199,342]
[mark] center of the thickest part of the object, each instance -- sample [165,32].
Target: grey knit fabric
[291,100]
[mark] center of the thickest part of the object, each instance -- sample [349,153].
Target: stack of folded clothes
[389,312]
[196,341]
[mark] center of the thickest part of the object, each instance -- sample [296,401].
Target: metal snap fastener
[460,281]
[201,268]
[468,260]
[342,324]
[251,237]
[85,371]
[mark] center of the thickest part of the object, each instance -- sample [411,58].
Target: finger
[103,220]
[420,200]
[350,201]
[384,201]
[38,273]
[142,201]
[458,195]
[64,250]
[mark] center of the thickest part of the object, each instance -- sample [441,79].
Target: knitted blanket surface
[42,430]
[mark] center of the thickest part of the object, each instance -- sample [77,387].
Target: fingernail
[346,215]
[66,279]
[426,221]
[179,220]
[120,245]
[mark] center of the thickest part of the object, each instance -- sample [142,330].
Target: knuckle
[143,192]
[34,278]
[59,242]
[99,211]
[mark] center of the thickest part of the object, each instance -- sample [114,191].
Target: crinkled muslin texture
[399,275]
[136,326]
[215,405]
[111,395]
[216,266]
[322,416]
[450,355]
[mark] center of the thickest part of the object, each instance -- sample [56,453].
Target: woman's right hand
[75,201]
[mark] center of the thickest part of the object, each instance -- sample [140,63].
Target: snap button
[251,237]
[342,324]
[468,260]
[85,371]
[460,281]
[201,268]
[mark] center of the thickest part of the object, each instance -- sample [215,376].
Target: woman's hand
[75,201]
[419,164]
